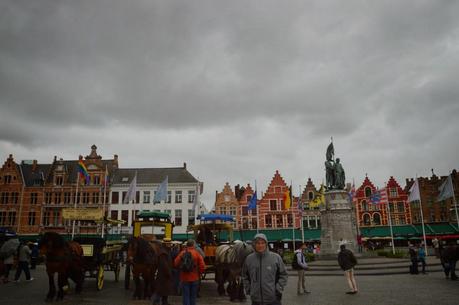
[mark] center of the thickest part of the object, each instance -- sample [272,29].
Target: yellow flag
[287,201]
[319,199]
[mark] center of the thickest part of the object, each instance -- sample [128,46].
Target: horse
[228,267]
[142,255]
[65,259]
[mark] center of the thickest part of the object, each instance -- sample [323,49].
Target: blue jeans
[189,292]
[22,266]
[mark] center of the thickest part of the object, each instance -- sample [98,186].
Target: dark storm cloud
[378,76]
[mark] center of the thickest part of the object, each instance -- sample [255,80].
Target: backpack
[186,262]
[295,264]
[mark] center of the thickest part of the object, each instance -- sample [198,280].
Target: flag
[161,192]
[83,171]
[300,206]
[287,200]
[330,151]
[414,192]
[130,195]
[319,199]
[352,193]
[379,197]
[446,189]
[253,202]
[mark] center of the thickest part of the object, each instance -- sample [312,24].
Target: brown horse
[65,259]
[144,260]
[228,267]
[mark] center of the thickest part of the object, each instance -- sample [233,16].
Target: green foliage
[398,253]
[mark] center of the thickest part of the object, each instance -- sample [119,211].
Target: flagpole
[422,216]
[301,215]
[256,207]
[75,203]
[454,201]
[293,214]
[390,221]
[103,201]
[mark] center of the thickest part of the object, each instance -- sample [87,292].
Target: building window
[178,196]
[32,216]
[95,198]
[14,197]
[168,212]
[248,198]
[67,196]
[77,197]
[4,198]
[7,179]
[269,221]
[368,192]
[391,207]
[47,198]
[273,205]
[254,222]
[85,197]
[191,196]
[223,210]
[114,215]
[124,197]
[393,192]
[402,220]
[2,218]
[125,217]
[146,196]
[310,195]
[96,179]
[244,211]
[57,198]
[364,206]
[137,197]
[289,220]
[56,218]
[59,180]
[254,211]
[115,197]
[169,197]
[46,217]
[366,220]
[12,218]
[280,221]
[178,217]
[245,223]
[233,211]
[33,198]
[400,207]
[377,219]
[191,217]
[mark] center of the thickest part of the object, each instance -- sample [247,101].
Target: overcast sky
[237,89]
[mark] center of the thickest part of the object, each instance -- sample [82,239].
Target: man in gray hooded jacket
[264,274]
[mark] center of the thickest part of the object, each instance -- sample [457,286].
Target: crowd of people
[20,255]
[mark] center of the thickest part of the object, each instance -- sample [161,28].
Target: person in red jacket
[191,265]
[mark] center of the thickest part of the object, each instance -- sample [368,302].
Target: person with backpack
[299,264]
[347,262]
[190,265]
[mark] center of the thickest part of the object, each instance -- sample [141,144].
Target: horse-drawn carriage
[212,231]
[100,253]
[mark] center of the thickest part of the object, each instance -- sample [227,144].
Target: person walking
[264,274]
[299,263]
[191,265]
[414,259]
[24,253]
[347,262]
[436,246]
[449,258]
[422,257]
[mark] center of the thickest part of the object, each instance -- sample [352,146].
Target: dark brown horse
[65,259]
[143,258]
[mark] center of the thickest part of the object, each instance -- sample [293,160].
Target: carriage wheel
[117,271]
[127,276]
[100,277]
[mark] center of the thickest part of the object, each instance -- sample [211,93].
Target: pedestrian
[163,281]
[264,274]
[449,258]
[191,265]
[299,263]
[422,257]
[8,251]
[24,253]
[360,243]
[347,262]
[436,246]
[414,259]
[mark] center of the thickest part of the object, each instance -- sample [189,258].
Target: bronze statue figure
[334,172]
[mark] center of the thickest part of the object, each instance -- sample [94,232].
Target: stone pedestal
[338,224]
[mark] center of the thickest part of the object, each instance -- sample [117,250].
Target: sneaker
[16,281]
[30,280]
[307,291]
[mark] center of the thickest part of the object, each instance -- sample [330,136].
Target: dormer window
[59,180]
[96,180]
[368,192]
[7,179]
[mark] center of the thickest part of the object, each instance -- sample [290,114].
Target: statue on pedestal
[334,172]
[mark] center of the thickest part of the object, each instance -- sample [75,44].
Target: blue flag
[161,192]
[253,202]
[375,197]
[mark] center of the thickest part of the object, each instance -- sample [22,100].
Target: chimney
[34,165]
[115,161]
[55,158]
[80,157]
[184,165]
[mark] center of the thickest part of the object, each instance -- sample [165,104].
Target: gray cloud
[238,89]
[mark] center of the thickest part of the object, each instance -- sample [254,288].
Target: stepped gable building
[183,190]
[434,211]
[400,210]
[368,214]
[248,218]
[311,215]
[272,211]
[227,203]
[60,191]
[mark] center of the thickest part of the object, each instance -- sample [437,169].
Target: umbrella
[9,247]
